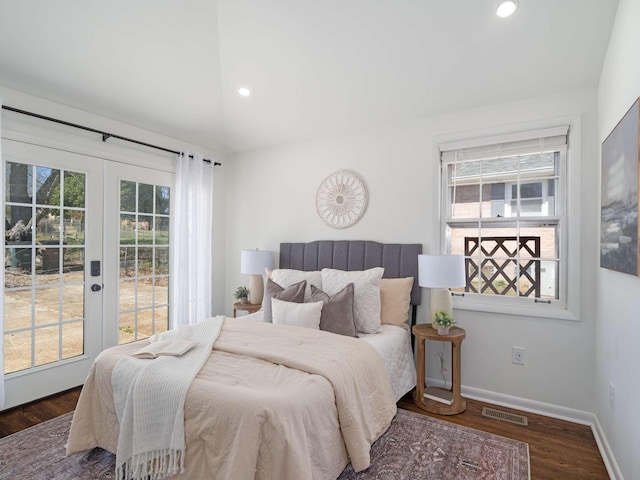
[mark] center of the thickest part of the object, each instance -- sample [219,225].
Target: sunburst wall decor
[341,199]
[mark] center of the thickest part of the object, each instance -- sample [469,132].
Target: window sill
[540,311]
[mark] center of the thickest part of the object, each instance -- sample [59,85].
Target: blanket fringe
[152,465]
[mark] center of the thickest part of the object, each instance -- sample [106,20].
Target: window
[503,208]
[144,260]
[44,265]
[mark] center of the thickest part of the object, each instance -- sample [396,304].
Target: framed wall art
[341,199]
[619,195]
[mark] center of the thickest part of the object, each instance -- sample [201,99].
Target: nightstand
[246,307]
[458,404]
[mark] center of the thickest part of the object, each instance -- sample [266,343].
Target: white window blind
[505,145]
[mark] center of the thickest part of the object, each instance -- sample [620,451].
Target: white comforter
[248,416]
[393,344]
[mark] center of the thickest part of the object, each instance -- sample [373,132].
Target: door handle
[96,288]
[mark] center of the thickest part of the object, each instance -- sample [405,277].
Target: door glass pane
[47,346]
[127,196]
[72,334]
[162,261]
[162,200]
[73,265]
[48,226]
[143,298]
[144,228]
[47,265]
[145,261]
[162,230]
[47,306]
[72,304]
[128,292]
[127,229]
[145,293]
[161,319]
[74,185]
[145,198]
[126,327]
[38,300]
[74,227]
[127,262]
[19,182]
[161,290]
[47,186]
[17,310]
[17,342]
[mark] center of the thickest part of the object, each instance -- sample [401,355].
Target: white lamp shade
[253,262]
[441,271]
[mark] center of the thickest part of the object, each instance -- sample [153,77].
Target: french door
[86,263]
[53,231]
[138,252]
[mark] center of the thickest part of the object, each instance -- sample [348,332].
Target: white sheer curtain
[192,240]
[1,293]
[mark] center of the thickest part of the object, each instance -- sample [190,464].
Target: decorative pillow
[337,310]
[366,294]
[395,298]
[298,314]
[286,277]
[293,293]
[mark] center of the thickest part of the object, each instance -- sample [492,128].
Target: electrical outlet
[612,394]
[517,355]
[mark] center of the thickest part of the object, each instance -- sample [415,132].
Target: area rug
[414,447]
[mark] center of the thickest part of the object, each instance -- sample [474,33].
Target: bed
[269,402]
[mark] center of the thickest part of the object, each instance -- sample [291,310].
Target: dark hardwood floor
[30,414]
[558,450]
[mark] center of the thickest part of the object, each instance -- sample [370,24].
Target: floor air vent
[506,416]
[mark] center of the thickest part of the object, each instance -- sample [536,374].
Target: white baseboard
[549,410]
[605,450]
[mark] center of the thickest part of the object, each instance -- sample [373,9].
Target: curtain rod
[105,135]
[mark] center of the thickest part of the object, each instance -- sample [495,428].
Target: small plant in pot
[242,294]
[443,321]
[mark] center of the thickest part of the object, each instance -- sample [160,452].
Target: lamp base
[440,301]
[256,289]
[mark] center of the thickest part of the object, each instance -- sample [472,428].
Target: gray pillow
[337,310]
[293,293]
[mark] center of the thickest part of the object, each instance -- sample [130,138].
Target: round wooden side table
[449,402]
[246,307]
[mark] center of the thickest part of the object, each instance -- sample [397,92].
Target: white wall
[618,295]
[91,143]
[274,201]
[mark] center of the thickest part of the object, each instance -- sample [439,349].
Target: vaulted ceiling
[315,68]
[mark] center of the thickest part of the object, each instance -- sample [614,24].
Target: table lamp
[441,272]
[253,262]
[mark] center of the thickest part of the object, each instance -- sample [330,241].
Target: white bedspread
[394,346]
[149,397]
[272,402]
[393,343]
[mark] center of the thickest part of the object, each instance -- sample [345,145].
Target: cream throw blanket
[147,394]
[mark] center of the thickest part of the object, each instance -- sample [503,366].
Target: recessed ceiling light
[244,92]
[506,8]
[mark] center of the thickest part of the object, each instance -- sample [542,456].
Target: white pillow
[297,314]
[286,277]
[366,294]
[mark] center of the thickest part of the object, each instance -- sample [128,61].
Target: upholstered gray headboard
[399,260]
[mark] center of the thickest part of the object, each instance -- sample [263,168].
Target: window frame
[567,305]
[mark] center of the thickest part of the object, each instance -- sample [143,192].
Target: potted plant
[242,294]
[443,321]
